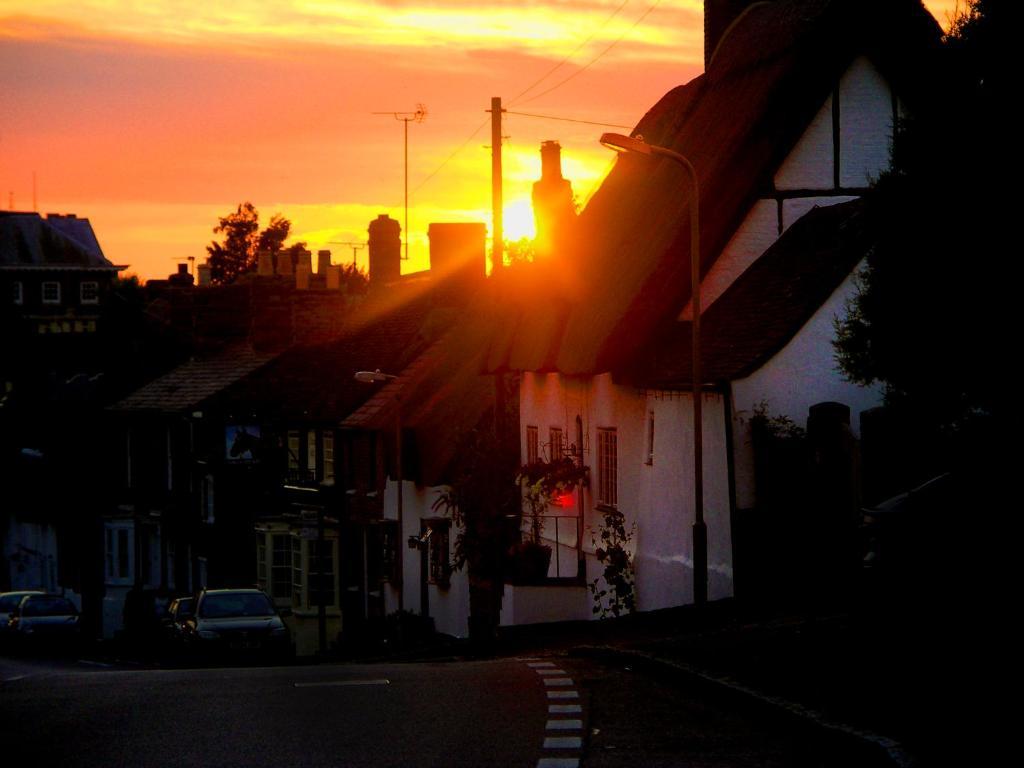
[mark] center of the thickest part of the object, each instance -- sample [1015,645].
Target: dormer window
[89,292]
[51,292]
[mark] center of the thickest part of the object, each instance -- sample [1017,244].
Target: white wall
[656,497]
[448,607]
[810,164]
[865,124]
[801,374]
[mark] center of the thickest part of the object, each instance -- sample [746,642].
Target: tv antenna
[355,246]
[417,116]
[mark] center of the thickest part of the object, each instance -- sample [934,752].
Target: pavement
[881,683]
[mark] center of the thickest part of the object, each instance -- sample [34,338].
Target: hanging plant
[611,540]
[545,482]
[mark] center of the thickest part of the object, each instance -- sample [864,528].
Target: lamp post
[373,377]
[637,145]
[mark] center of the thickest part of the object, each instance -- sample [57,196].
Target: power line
[597,58]
[575,50]
[448,159]
[568,120]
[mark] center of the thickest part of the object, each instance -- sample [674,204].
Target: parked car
[236,624]
[44,622]
[179,610]
[9,601]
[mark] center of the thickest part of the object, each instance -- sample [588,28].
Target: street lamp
[637,145]
[374,377]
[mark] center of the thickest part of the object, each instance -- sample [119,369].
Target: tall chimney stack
[553,209]
[385,250]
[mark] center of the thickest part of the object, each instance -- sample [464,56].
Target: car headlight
[208,634]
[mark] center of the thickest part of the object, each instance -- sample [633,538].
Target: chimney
[302,274]
[323,262]
[458,258]
[718,15]
[553,209]
[284,264]
[334,277]
[181,278]
[205,278]
[385,250]
[265,264]
[304,260]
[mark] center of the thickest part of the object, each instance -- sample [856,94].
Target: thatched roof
[736,123]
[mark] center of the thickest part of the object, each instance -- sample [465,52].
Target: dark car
[9,601]
[236,624]
[179,610]
[44,622]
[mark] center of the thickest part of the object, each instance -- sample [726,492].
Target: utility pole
[498,246]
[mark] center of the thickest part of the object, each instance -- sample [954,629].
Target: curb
[877,749]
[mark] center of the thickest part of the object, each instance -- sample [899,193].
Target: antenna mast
[407,117]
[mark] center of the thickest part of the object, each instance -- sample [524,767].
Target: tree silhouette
[935,301]
[243,240]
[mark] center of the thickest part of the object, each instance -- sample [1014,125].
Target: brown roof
[767,305]
[188,385]
[736,123]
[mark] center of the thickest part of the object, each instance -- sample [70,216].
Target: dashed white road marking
[559,686]
[558,762]
[564,709]
[563,695]
[560,682]
[563,742]
[90,663]
[339,683]
[16,677]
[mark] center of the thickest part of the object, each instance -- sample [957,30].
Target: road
[536,712]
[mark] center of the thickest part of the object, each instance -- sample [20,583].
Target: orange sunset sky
[153,119]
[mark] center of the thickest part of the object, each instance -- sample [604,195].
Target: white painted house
[789,125]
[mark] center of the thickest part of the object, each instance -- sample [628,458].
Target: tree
[934,309]
[243,240]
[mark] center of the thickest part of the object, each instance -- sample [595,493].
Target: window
[310,455]
[557,443]
[281,566]
[389,542]
[261,562]
[296,571]
[206,499]
[531,445]
[328,441]
[607,467]
[650,438]
[437,543]
[51,292]
[17,292]
[119,552]
[89,293]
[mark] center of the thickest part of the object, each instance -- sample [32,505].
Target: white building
[789,125]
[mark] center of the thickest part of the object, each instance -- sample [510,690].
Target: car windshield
[48,606]
[184,607]
[9,602]
[235,604]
